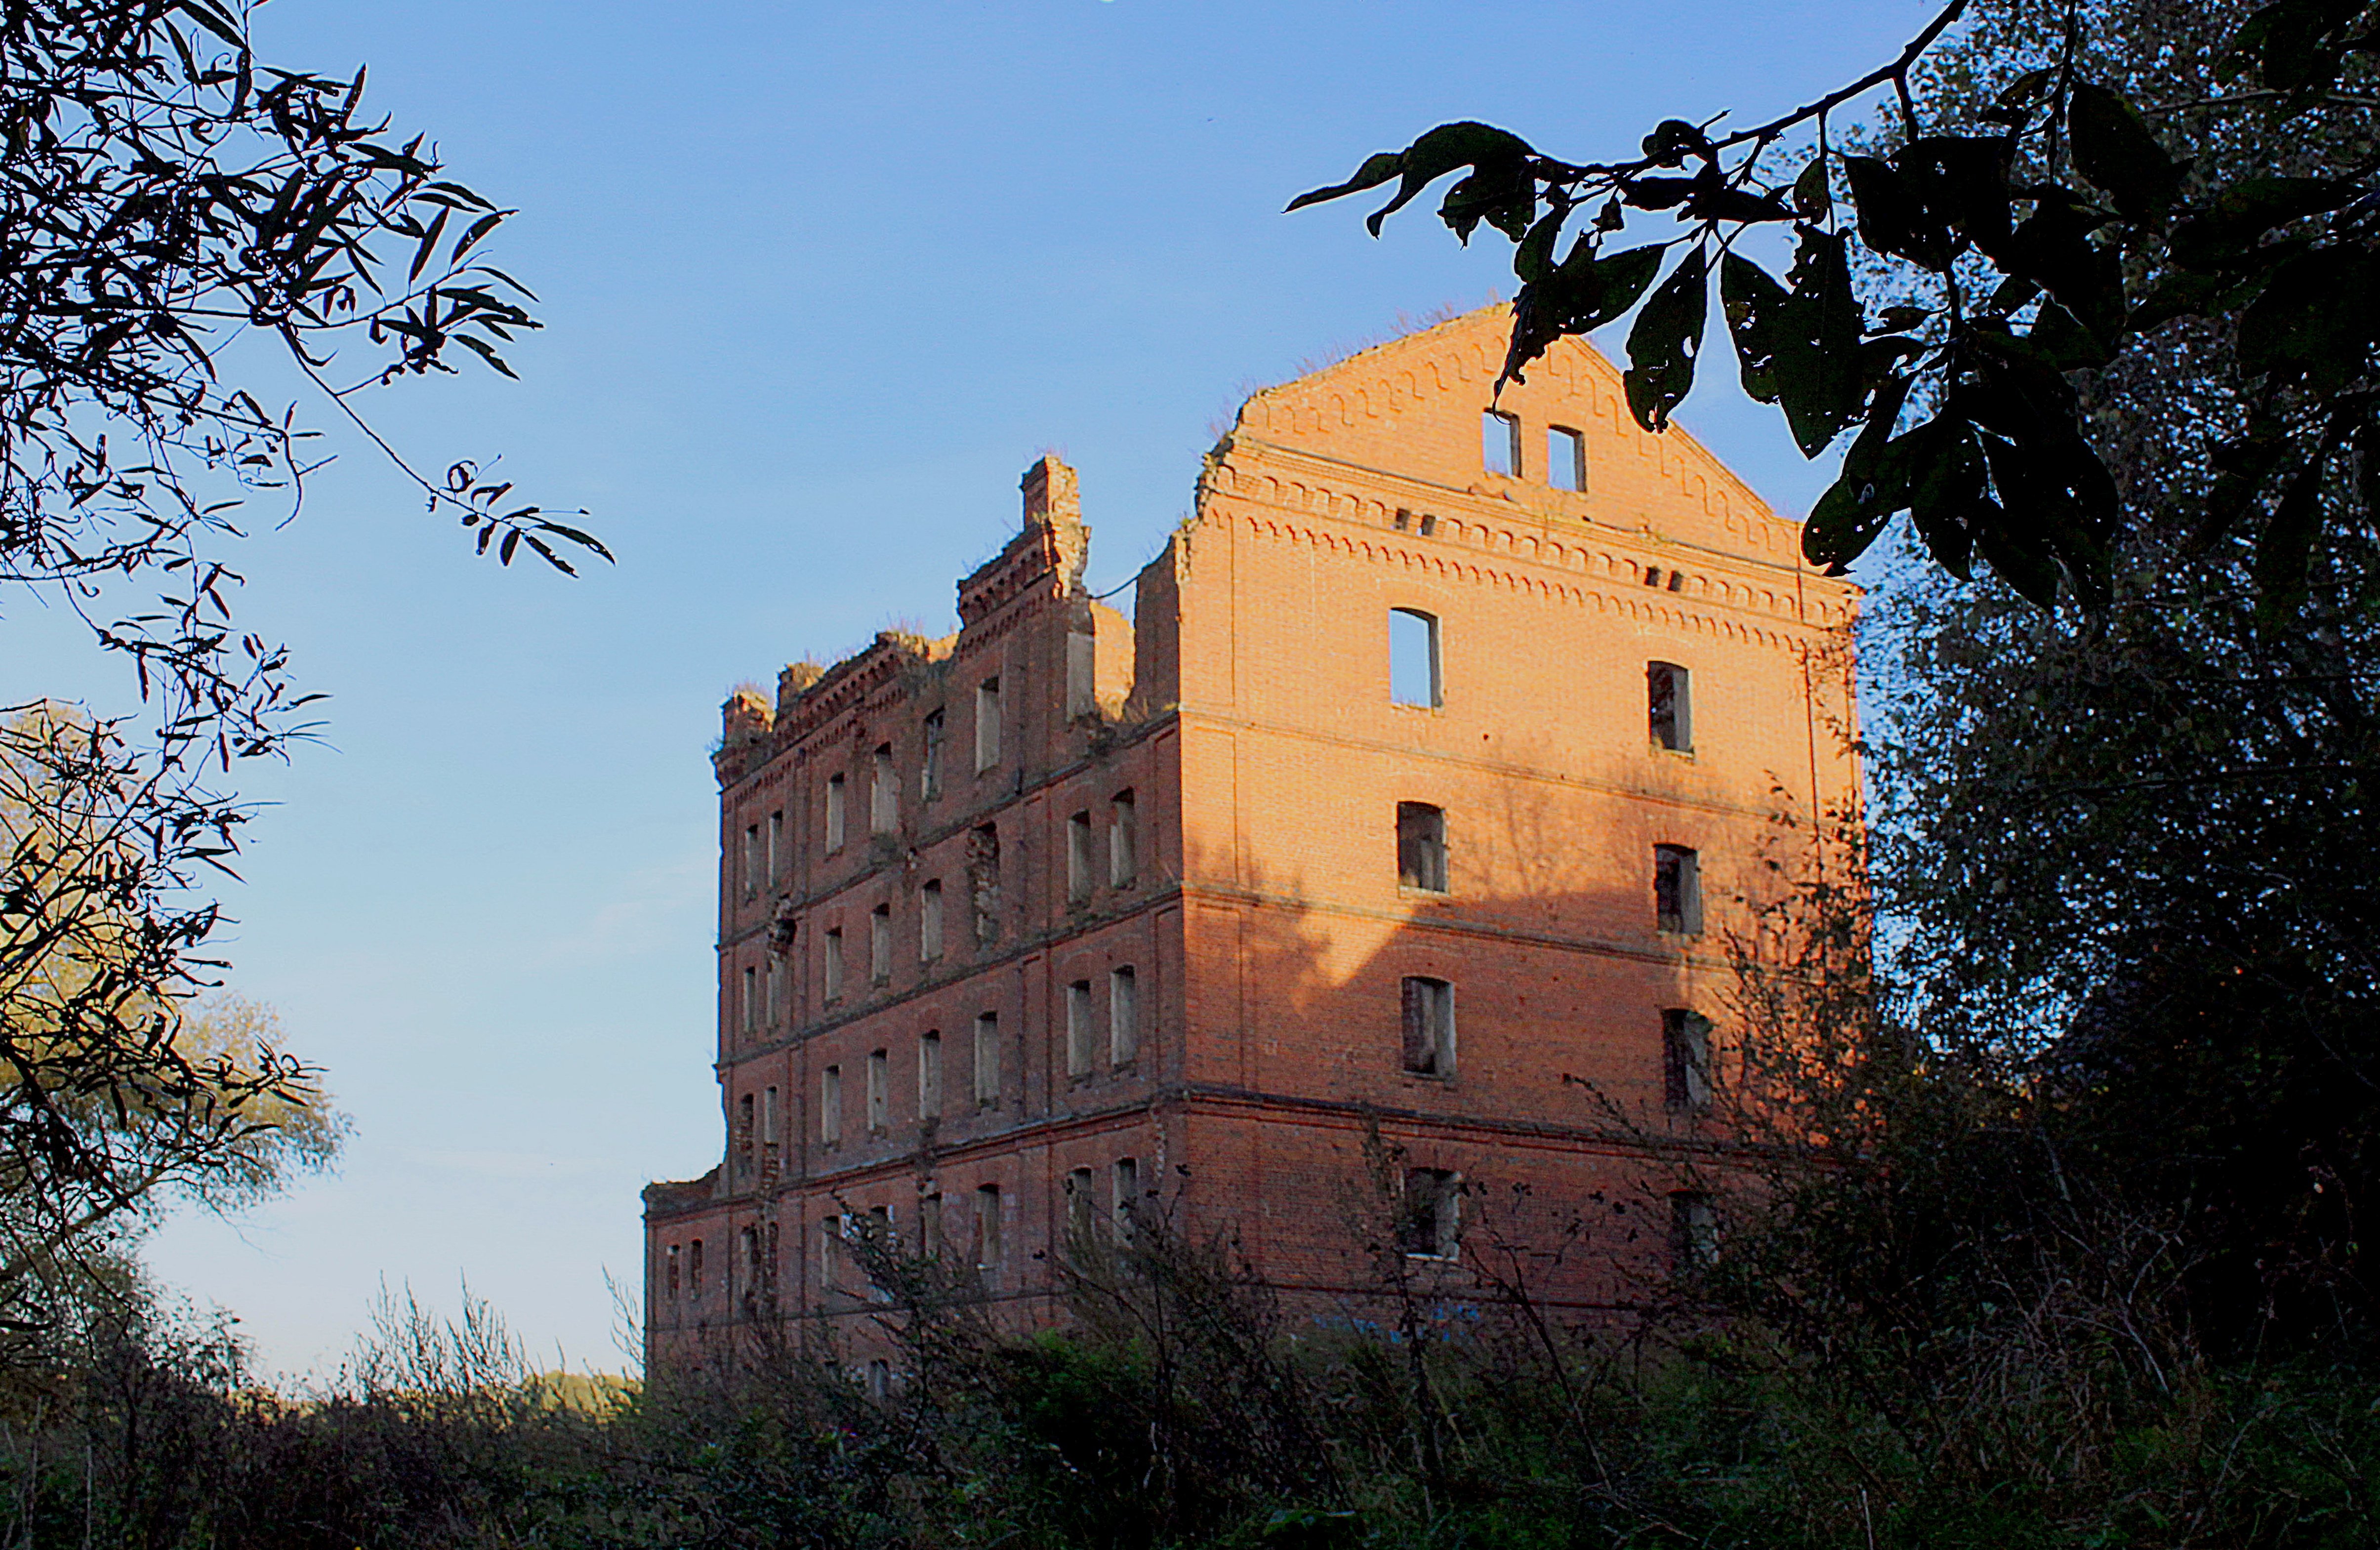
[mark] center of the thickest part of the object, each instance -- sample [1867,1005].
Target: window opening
[929,921]
[743,1140]
[1678,889]
[831,1105]
[767,1117]
[1686,1061]
[879,943]
[1123,841]
[749,1015]
[883,791]
[1124,1180]
[1499,443]
[1430,1222]
[1428,1026]
[1421,846]
[751,860]
[1694,1232]
[1670,705]
[929,1074]
[1078,858]
[987,1226]
[1078,1028]
[1565,458]
[986,725]
[1080,1206]
[880,1084]
[986,1060]
[983,879]
[694,1269]
[1124,1017]
[1412,658]
[776,844]
[835,791]
[834,973]
[929,779]
[673,1282]
[776,991]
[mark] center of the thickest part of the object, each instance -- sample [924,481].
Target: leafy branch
[2062,231]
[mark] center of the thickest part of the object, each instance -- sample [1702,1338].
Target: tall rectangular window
[879,944]
[776,996]
[986,725]
[751,860]
[1565,458]
[776,844]
[672,1272]
[747,1268]
[831,1105]
[767,1117]
[1670,705]
[835,804]
[929,921]
[747,1015]
[744,1143]
[694,1269]
[1430,1225]
[986,1060]
[929,1074]
[929,1224]
[833,975]
[1078,858]
[830,1251]
[1421,846]
[1686,1061]
[1124,1017]
[1082,681]
[1412,658]
[883,791]
[1123,841]
[1124,1182]
[987,1227]
[1078,1028]
[1677,890]
[983,881]
[1081,1206]
[880,1089]
[1429,1012]
[1694,1232]
[929,779]
[1499,443]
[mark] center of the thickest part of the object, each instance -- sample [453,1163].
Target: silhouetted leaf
[1753,301]
[2119,153]
[1662,346]
[2315,320]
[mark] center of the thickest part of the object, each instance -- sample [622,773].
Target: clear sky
[819,280]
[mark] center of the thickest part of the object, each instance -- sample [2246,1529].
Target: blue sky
[819,280]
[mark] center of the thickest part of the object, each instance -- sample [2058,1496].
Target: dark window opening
[1668,697]
[1430,1217]
[1694,1232]
[1428,1026]
[983,881]
[1686,1061]
[1677,890]
[1421,846]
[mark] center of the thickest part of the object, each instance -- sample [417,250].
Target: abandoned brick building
[1440,740]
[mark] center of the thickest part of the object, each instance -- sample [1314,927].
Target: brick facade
[1257,927]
